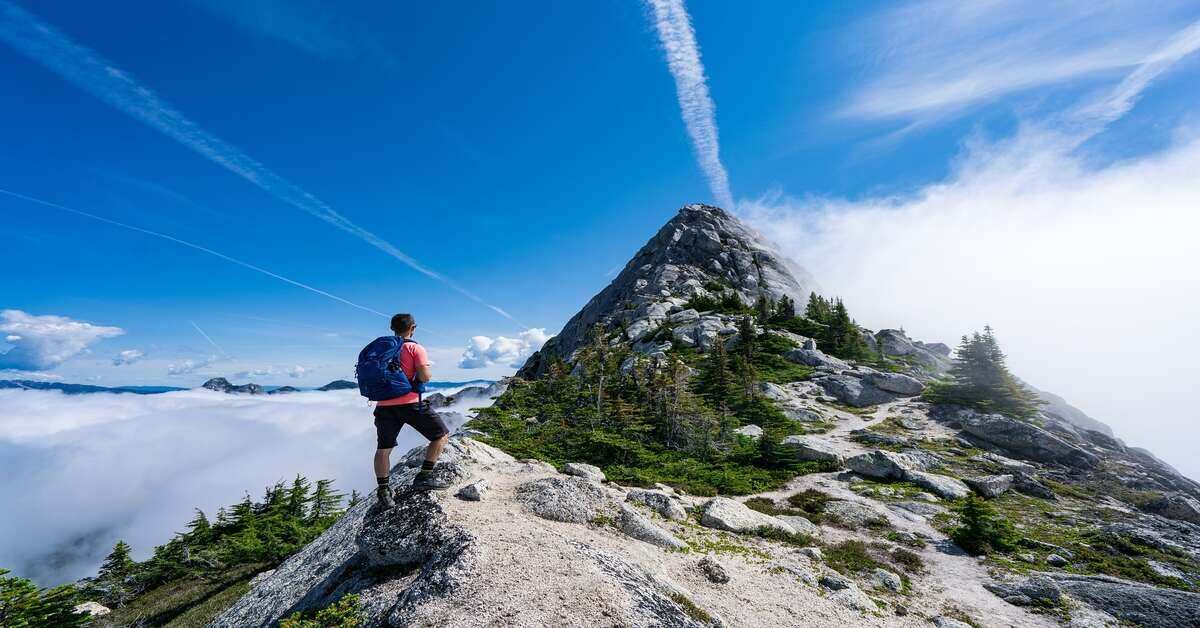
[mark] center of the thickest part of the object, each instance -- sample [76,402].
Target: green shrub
[851,557]
[343,613]
[689,607]
[24,605]
[788,538]
[907,560]
[810,501]
[982,530]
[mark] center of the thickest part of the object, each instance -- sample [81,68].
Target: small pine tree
[325,501]
[297,497]
[355,497]
[981,530]
[715,382]
[199,528]
[22,603]
[116,572]
[818,309]
[763,308]
[979,378]
[785,309]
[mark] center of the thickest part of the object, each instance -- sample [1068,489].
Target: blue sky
[521,151]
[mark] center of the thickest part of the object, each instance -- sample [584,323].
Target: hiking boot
[429,481]
[384,493]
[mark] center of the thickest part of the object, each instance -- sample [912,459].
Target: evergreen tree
[325,501]
[23,604]
[747,341]
[355,497]
[785,309]
[198,528]
[297,497]
[818,309]
[979,378]
[981,530]
[763,308]
[716,380]
[116,573]
[845,337]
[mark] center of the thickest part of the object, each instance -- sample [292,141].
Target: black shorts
[389,420]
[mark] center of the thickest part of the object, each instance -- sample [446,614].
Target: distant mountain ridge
[219,384]
[80,389]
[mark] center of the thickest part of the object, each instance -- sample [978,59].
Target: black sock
[427,465]
[381,481]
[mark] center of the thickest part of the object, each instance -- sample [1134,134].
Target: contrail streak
[197,247]
[91,72]
[699,113]
[208,338]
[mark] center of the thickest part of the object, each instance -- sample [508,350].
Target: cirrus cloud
[40,343]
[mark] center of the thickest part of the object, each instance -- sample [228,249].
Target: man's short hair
[403,323]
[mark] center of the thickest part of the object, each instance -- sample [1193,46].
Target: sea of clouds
[82,471]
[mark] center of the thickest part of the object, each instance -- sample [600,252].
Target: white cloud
[189,366]
[75,449]
[1088,275]
[91,72]
[484,351]
[43,342]
[937,56]
[699,112]
[128,356]
[294,372]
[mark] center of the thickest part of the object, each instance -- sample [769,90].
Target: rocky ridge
[1107,533]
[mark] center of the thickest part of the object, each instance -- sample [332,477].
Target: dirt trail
[952,577]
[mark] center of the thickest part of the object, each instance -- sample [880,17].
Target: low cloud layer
[1086,273]
[83,471]
[485,351]
[41,343]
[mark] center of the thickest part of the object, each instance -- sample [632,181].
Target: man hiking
[392,371]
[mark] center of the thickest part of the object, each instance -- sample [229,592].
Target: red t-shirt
[412,355]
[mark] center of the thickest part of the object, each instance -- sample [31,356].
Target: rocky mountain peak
[702,251]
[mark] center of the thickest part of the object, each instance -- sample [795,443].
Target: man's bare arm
[423,373]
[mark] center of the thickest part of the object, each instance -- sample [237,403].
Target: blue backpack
[378,370]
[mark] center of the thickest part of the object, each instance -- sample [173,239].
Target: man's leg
[435,449]
[383,462]
[387,427]
[429,423]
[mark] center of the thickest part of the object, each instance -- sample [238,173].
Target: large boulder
[570,499]
[1133,602]
[990,485]
[634,525]
[854,391]
[1179,507]
[1034,591]
[584,470]
[752,432]
[882,465]
[726,514]
[943,485]
[801,525]
[658,501]
[812,449]
[895,383]
[1022,439]
[855,514]
[816,359]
